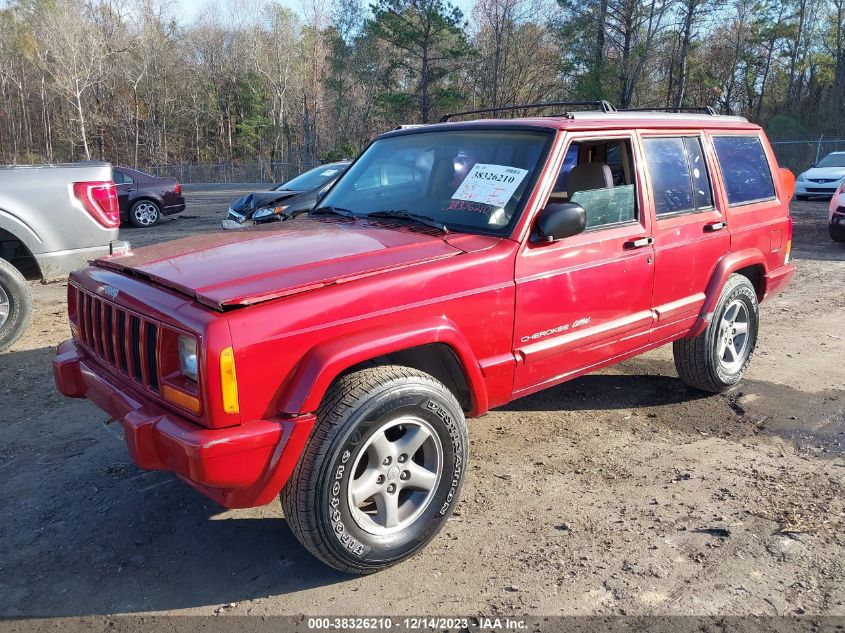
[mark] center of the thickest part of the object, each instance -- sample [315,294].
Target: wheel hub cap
[146,213]
[395,475]
[5,306]
[732,342]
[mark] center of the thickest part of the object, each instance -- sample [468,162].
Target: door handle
[639,243]
[715,226]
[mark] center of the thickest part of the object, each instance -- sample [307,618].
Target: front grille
[125,341]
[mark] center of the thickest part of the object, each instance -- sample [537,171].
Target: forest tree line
[129,82]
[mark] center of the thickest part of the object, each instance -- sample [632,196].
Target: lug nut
[387,461]
[391,488]
[405,475]
[402,458]
[380,479]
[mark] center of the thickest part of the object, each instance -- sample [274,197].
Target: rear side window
[745,169]
[678,175]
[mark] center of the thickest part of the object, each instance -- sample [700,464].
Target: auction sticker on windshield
[490,184]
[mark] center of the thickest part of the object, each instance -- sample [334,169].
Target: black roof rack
[703,109]
[603,105]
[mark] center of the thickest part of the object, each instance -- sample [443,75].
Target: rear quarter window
[745,169]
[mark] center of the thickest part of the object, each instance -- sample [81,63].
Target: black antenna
[602,105]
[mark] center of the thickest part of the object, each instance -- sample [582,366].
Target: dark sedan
[295,196]
[143,198]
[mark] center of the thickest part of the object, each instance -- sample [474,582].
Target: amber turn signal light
[180,398]
[229,381]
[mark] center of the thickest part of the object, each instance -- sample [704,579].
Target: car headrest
[588,176]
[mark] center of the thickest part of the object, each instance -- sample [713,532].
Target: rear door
[585,300]
[690,229]
[125,185]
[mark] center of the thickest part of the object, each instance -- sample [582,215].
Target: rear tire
[716,359]
[144,214]
[837,232]
[381,472]
[15,304]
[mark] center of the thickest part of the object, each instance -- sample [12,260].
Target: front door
[586,299]
[690,230]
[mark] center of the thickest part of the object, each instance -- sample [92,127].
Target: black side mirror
[559,220]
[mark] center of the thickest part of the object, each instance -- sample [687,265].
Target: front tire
[15,304]
[837,232]
[716,359]
[382,470]
[144,213]
[802,198]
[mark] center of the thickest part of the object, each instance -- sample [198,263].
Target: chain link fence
[798,156]
[262,171]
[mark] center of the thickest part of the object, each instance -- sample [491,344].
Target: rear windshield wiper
[332,211]
[407,215]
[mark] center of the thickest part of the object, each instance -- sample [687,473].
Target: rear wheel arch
[15,251]
[748,263]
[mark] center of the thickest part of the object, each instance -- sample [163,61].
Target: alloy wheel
[732,342]
[396,473]
[146,213]
[5,306]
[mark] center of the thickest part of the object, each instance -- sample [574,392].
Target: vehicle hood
[251,202]
[827,173]
[237,268]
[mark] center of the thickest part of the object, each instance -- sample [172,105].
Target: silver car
[53,219]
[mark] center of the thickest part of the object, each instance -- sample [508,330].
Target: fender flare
[325,361]
[724,269]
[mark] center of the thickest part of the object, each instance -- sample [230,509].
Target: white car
[823,178]
[836,214]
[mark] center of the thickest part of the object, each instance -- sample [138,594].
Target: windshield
[312,178]
[473,180]
[832,160]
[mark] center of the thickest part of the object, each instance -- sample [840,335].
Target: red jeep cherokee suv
[454,267]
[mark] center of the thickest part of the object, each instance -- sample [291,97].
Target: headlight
[188,356]
[801,178]
[262,213]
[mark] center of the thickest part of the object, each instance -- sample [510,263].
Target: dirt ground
[622,492]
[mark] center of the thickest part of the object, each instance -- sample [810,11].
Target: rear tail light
[99,199]
[178,188]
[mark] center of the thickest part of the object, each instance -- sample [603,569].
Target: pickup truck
[53,219]
[334,358]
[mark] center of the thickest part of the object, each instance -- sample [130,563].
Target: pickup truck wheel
[15,304]
[382,470]
[144,213]
[716,359]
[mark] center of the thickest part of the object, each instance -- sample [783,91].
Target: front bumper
[238,467]
[808,188]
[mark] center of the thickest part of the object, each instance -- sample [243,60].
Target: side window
[745,169]
[598,175]
[118,177]
[679,175]
[397,174]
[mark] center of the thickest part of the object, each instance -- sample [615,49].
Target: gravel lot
[620,492]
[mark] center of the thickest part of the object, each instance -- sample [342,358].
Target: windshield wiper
[332,211]
[407,215]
